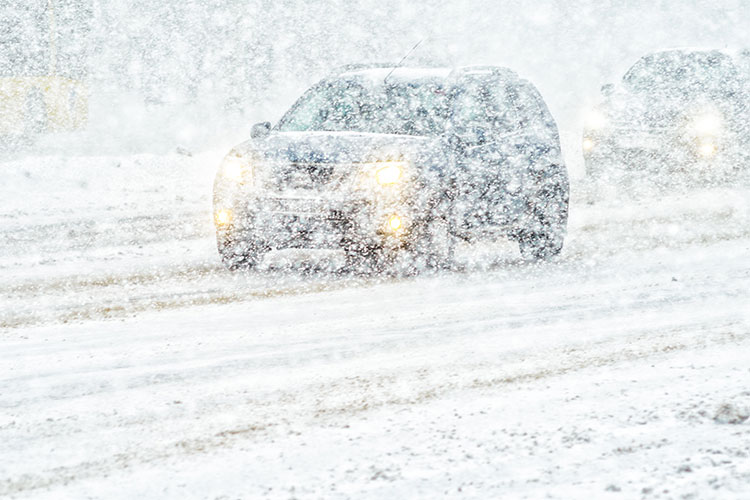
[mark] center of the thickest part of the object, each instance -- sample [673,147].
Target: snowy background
[197,74]
[132,364]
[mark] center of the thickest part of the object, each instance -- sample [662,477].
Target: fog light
[707,149]
[588,144]
[223,217]
[394,223]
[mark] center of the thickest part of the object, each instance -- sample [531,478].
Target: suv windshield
[346,106]
[683,73]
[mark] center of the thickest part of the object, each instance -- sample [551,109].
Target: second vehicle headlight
[595,119]
[707,124]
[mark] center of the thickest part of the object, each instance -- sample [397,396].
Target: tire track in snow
[599,229]
[319,403]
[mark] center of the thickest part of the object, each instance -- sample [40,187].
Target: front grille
[294,205]
[304,175]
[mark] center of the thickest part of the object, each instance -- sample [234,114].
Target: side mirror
[261,129]
[608,89]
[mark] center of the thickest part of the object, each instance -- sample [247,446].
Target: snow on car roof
[692,50]
[378,75]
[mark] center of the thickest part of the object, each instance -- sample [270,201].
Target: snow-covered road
[622,369]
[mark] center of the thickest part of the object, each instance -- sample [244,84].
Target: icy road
[132,365]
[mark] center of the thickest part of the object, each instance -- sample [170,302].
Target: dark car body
[381,160]
[676,111]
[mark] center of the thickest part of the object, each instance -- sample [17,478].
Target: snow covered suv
[676,111]
[383,162]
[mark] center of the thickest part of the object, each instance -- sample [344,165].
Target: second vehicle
[676,113]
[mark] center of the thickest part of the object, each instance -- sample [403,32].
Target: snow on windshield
[341,105]
[688,72]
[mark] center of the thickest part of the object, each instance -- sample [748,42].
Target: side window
[489,103]
[531,108]
[507,116]
[536,121]
[470,104]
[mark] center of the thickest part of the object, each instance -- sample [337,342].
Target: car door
[487,123]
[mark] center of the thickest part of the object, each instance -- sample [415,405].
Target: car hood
[338,147]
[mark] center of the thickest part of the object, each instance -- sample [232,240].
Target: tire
[539,246]
[544,237]
[239,252]
[366,259]
[434,246]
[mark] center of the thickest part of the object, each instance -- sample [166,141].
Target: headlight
[707,124]
[389,174]
[595,119]
[383,173]
[223,217]
[236,169]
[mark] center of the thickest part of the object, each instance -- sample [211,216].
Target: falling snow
[368,249]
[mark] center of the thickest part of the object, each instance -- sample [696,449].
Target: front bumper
[298,221]
[631,150]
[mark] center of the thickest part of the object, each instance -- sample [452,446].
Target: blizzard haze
[133,364]
[198,74]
